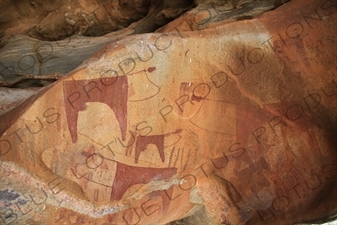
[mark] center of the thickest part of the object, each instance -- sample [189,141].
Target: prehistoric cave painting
[288,177]
[158,140]
[96,169]
[216,116]
[125,176]
[207,113]
[113,91]
[141,87]
[255,174]
[191,94]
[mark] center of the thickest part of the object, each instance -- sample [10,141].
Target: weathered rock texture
[60,27]
[55,20]
[12,97]
[233,124]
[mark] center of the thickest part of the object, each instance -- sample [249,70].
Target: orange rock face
[236,121]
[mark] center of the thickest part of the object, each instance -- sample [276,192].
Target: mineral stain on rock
[8,195]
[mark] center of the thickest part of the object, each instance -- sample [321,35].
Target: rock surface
[60,45]
[232,124]
[12,97]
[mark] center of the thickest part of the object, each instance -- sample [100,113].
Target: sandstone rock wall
[232,123]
